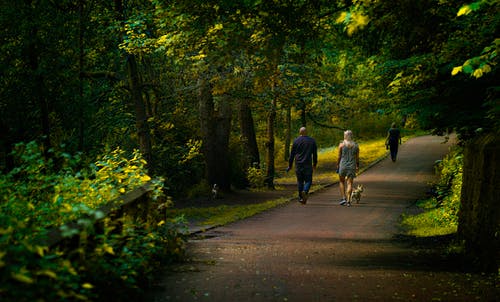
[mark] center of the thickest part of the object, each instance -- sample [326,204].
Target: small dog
[215,191]
[356,193]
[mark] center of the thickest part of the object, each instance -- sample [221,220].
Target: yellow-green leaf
[6,231]
[48,273]
[108,249]
[341,17]
[464,10]
[40,250]
[22,278]
[87,285]
[456,70]
[478,73]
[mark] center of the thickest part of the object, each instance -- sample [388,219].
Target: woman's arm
[339,156]
[357,160]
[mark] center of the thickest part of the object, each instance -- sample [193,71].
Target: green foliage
[199,190]
[46,192]
[449,186]
[480,65]
[441,212]
[51,191]
[29,271]
[129,258]
[256,177]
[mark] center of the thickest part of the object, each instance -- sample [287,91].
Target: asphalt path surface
[322,251]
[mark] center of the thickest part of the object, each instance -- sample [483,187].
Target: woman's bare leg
[342,187]
[350,180]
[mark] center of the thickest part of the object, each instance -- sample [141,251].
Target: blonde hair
[348,140]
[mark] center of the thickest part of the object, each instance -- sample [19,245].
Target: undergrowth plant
[46,192]
[440,214]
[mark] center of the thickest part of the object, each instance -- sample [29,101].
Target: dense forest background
[206,89]
[101,99]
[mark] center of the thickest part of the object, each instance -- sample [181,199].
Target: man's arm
[292,157]
[315,155]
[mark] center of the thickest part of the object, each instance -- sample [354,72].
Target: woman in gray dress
[347,166]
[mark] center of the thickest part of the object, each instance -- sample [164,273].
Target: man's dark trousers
[304,177]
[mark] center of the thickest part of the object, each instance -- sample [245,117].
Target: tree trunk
[38,89]
[271,118]
[249,139]
[222,134]
[303,120]
[135,86]
[288,132]
[141,118]
[215,130]
[207,125]
[81,56]
[479,216]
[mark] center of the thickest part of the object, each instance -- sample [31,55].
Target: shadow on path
[326,252]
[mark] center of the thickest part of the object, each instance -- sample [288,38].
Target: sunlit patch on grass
[224,214]
[425,224]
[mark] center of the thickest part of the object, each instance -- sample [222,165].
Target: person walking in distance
[305,154]
[393,140]
[347,166]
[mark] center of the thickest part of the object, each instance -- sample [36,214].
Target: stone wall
[479,217]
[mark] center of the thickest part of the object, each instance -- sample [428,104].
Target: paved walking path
[325,252]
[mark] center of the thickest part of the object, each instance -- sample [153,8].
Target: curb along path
[325,252]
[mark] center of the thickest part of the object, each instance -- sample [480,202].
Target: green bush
[199,190]
[449,187]
[440,214]
[47,192]
[256,177]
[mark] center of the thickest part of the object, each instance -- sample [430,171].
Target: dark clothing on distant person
[393,140]
[304,151]
[305,154]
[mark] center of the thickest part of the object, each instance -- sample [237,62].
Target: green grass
[425,225]
[224,214]
[428,223]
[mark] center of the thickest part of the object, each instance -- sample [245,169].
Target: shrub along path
[326,252]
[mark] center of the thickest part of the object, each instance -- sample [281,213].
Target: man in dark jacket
[393,140]
[305,154]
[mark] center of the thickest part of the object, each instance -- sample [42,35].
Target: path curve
[323,251]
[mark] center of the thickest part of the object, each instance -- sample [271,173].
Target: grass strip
[224,214]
